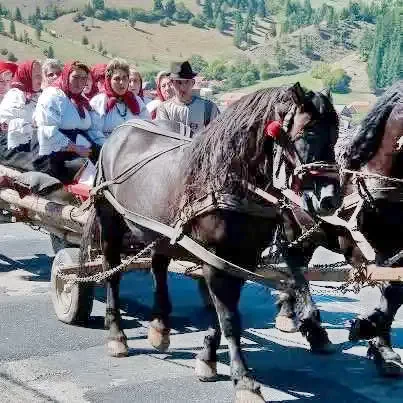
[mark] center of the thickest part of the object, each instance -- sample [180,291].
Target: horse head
[305,144]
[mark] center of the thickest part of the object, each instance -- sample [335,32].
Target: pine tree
[51,53]
[208,10]
[220,22]
[384,60]
[261,9]
[18,16]
[132,19]
[238,34]
[308,11]
[38,32]
[170,8]
[252,7]
[158,5]
[12,28]
[84,40]
[38,13]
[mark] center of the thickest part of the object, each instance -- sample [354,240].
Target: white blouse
[56,111]
[153,105]
[19,117]
[106,122]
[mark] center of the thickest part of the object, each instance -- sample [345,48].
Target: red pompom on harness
[273,129]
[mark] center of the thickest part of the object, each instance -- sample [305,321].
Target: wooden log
[43,207]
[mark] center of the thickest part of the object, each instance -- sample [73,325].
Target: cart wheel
[205,293]
[73,303]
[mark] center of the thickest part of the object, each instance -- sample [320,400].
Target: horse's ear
[297,94]
[328,94]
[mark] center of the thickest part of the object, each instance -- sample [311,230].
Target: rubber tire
[75,306]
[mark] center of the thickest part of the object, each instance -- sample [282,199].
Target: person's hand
[82,151]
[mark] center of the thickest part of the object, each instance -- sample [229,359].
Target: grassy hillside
[146,44]
[28,6]
[65,49]
[354,67]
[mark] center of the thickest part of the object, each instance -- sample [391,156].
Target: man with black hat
[193,112]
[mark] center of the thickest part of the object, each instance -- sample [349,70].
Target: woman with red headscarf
[116,104]
[165,91]
[7,71]
[66,137]
[96,81]
[16,115]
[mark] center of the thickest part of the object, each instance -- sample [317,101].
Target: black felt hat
[182,71]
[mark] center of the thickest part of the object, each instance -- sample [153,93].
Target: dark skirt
[20,157]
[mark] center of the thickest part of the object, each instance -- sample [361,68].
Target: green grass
[306,80]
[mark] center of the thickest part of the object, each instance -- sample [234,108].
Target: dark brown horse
[374,149]
[176,176]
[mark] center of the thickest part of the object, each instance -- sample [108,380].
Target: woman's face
[135,83]
[119,81]
[50,75]
[5,81]
[88,87]
[77,81]
[36,77]
[167,89]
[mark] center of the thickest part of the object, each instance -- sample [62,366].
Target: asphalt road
[44,360]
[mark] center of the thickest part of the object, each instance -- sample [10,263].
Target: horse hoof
[117,348]
[159,339]
[286,324]
[206,371]
[248,396]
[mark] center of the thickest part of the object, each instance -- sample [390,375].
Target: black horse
[174,176]
[374,149]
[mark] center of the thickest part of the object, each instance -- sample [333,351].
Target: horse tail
[90,241]
[367,141]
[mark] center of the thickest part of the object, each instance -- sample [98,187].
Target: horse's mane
[233,143]
[366,142]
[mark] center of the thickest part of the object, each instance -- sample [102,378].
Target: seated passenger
[136,84]
[51,70]
[165,91]
[116,104]
[16,116]
[66,137]
[7,71]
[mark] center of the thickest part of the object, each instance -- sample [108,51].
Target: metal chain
[305,235]
[103,275]
[372,175]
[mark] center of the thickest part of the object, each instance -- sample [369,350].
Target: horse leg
[225,291]
[377,325]
[158,333]
[112,230]
[206,360]
[305,308]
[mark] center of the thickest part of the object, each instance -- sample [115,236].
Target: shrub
[11,57]
[197,22]
[321,70]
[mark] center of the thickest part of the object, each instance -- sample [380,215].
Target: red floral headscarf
[23,78]
[80,102]
[8,66]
